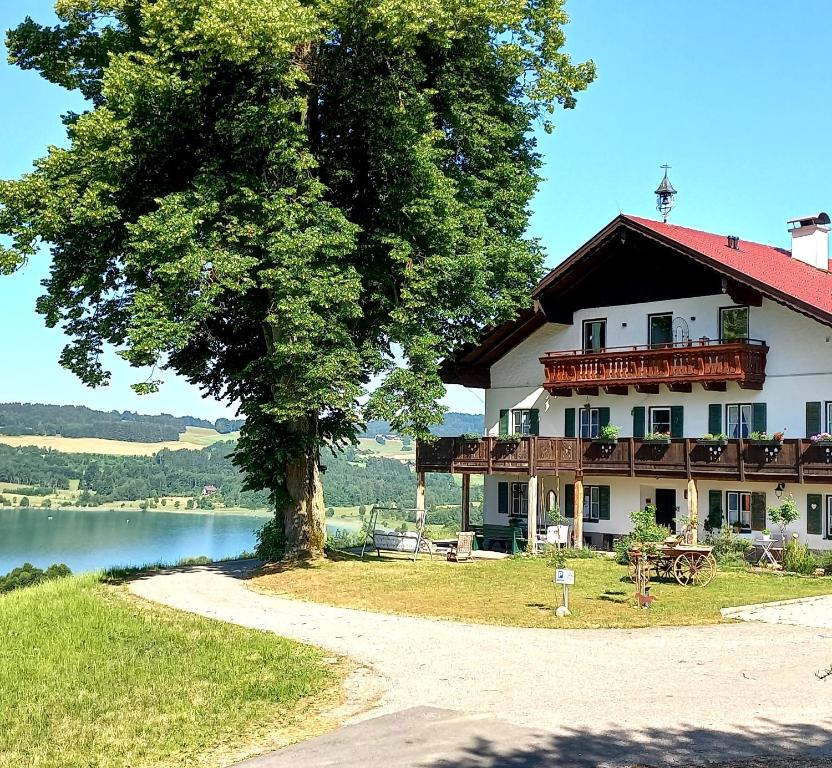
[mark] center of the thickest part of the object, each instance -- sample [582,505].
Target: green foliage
[609,432]
[656,437]
[785,514]
[729,550]
[798,558]
[271,540]
[24,501]
[277,200]
[717,437]
[645,531]
[27,575]
[330,512]
[514,437]
[472,436]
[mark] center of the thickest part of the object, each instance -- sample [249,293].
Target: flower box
[657,440]
[707,441]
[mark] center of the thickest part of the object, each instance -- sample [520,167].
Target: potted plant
[471,437]
[719,438]
[822,438]
[658,438]
[766,534]
[607,434]
[514,438]
[764,438]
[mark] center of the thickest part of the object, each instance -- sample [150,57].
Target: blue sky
[732,95]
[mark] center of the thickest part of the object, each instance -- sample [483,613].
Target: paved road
[473,695]
[807,612]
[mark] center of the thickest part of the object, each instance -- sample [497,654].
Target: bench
[394,541]
[514,538]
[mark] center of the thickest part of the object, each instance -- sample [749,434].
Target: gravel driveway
[718,691]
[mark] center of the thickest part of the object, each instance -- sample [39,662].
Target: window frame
[750,420]
[828,521]
[659,344]
[588,350]
[669,418]
[589,503]
[722,310]
[597,430]
[525,421]
[828,416]
[518,492]
[746,527]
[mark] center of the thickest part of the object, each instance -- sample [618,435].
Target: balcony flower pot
[720,441]
[656,440]
[604,441]
[513,439]
[765,441]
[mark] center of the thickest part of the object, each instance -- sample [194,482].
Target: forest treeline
[350,478]
[80,421]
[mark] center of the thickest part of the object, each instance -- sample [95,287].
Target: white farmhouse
[671,335]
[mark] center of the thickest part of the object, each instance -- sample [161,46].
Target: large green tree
[286,200]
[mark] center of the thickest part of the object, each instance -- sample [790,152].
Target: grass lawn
[520,592]
[91,677]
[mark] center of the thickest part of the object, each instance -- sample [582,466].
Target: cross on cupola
[665,195]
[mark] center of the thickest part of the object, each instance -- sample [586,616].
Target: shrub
[609,432]
[330,512]
[645,530]
[798,558]
[730,551]
[24,501]
[784,515]
[28,575]
[271,540]
[825,562]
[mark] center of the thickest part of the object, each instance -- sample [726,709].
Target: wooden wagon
[692,565]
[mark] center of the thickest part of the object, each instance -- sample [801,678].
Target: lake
[90,539]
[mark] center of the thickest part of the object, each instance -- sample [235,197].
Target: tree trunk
[304,515]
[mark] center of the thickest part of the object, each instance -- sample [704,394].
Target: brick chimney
[810,240]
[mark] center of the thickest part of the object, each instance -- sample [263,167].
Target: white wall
[798,369]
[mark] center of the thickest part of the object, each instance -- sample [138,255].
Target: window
[592,503]
[739,509]
[660,420]
[733,323]
[521,421]
[660,330]
[590,422]
[828,418]
[595,335]
[519,500]
[739,419]
[551,501]
[828,517]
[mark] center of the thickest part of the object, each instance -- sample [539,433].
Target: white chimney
[810,240]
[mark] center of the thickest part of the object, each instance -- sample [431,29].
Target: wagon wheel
[694,570]
[664,567]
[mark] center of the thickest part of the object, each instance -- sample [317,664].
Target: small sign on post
[565,576]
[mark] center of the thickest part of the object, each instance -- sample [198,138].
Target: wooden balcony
[794,461]
[679,366]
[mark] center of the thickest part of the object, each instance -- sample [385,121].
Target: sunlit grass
[90,677]
[520,591]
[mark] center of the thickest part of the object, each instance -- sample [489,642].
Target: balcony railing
[794,461]
[710,363]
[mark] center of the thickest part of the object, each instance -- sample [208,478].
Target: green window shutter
[813,419]
[503,422]
[677,421]
[603,417]
[569,500]
[715,419]
[603,502]
[715,509]
[758,417]
[534,421]
[813,515]
[569,422]
[638,421]
[502,498]
[758,511]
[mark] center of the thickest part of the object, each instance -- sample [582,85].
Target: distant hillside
[454,424]
[80,421]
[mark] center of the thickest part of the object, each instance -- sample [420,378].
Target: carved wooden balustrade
[710,363]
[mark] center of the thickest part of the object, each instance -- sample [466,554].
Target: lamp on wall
[778,490]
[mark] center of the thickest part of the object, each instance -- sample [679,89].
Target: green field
[92,677]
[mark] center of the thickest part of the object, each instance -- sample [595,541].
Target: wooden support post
[693,509]
[531,544]
[420,498]
[579,513]
[466,502]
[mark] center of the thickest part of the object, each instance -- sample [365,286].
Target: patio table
[766,545]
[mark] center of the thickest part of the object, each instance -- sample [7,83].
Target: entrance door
[666,507]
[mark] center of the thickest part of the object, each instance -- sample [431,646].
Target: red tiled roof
[764,265]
